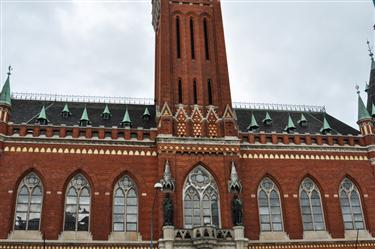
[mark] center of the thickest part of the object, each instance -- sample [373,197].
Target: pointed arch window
[351,207]
[201,199]
[206,48]
[195,92]
[180,91]
[270,213]
[311,206]
[192,45]
[29,203]
[178,37]
[209,90]
[77,204]
[125,206]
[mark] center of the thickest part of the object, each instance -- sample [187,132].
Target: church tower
[191,72]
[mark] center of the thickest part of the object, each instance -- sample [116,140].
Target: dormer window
[302,121]
[65,113]
[146,114]
[267,119]
[126,121]
[42,117]
[85,120]
[106,114]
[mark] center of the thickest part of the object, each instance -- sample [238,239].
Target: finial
[9,69]
[357,88]
[370,50]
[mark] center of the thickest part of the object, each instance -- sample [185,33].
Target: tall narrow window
[209,90]
[201,199]
[351,206]
[178,37]
[29,203]
[269,206]
[125,206]
[311,206]
[206,39]
[179,91]
[192,39]
[195,92]
[77,204]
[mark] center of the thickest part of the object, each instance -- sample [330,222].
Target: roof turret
[85,120]
[362,111]
[302,120]
[146,114]
[65,112]
[5,92]
[106,114]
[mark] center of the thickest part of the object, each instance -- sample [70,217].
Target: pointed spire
[362,111]
[302,120]
[146,114]
[326,128]
[126,120]
[253,124]
[290,126]
[5,92]
[267,119]
[371,54]
[167,181]
[234,184]
[367,87]
[42,117]
[85,120]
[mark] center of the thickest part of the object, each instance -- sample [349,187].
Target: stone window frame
[309,193]
[200,189]
[268,191]
[79,187]
[31,186]
[348,192]
[125,188]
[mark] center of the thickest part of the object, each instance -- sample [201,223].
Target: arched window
[351,206]
[311,206]
[125,206]
[270,214]
[201,199]
[77,204]
[29,203]
[178,37]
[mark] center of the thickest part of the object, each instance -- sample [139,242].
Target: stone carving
[168,210]
[237,212]
[167,181]
[234,184]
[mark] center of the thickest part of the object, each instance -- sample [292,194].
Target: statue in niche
[168,210]
[237,212]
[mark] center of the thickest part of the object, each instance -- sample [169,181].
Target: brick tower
[191,73]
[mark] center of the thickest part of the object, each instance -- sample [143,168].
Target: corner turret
[5,102]
[364,118]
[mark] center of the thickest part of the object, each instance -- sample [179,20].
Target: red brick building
[80,173]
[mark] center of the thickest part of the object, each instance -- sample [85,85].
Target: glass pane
[85,192]
[131,193]
[264,210]
[70,221]
[72,192]
[118,227]
[24,191]
[20,222]
[277,227]
[22,207]
[131,218]
[118,209]
[265,227]
[36,199]
[23,198]
[119,193]
[132,210]
[131,226]
[35,208]
[118,218]
[33,223]
[119,201]
[84,200]
[37,191]
[348,225]
[131,201]
[83,223]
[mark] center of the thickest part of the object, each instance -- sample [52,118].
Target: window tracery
[29,203]
[125,206]
[201,199]
[351,207]
[77,204]
[270,212]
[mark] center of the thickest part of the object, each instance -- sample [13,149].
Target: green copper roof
[267,119]
[373,110]
[367,87]
[42,114]
[106,110]
[290,126]
[302,119]
[362,111]
[85,116]
[66,109]
[372,64]
[253,124]
[326,127]
[5,92]
[126,119]
[146,112]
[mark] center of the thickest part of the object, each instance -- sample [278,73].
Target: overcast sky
[294,52]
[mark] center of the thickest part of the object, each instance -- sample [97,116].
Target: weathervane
[370,50]
[9,69]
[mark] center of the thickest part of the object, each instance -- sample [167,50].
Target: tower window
[179,91]
[195,92]
[178,38]
[209,89]
[206,39]
[192,39]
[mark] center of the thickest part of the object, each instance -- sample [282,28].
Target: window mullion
[28,210]
[311,211]
[269,210]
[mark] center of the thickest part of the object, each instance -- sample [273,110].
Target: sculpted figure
[237,212]
[168,211]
